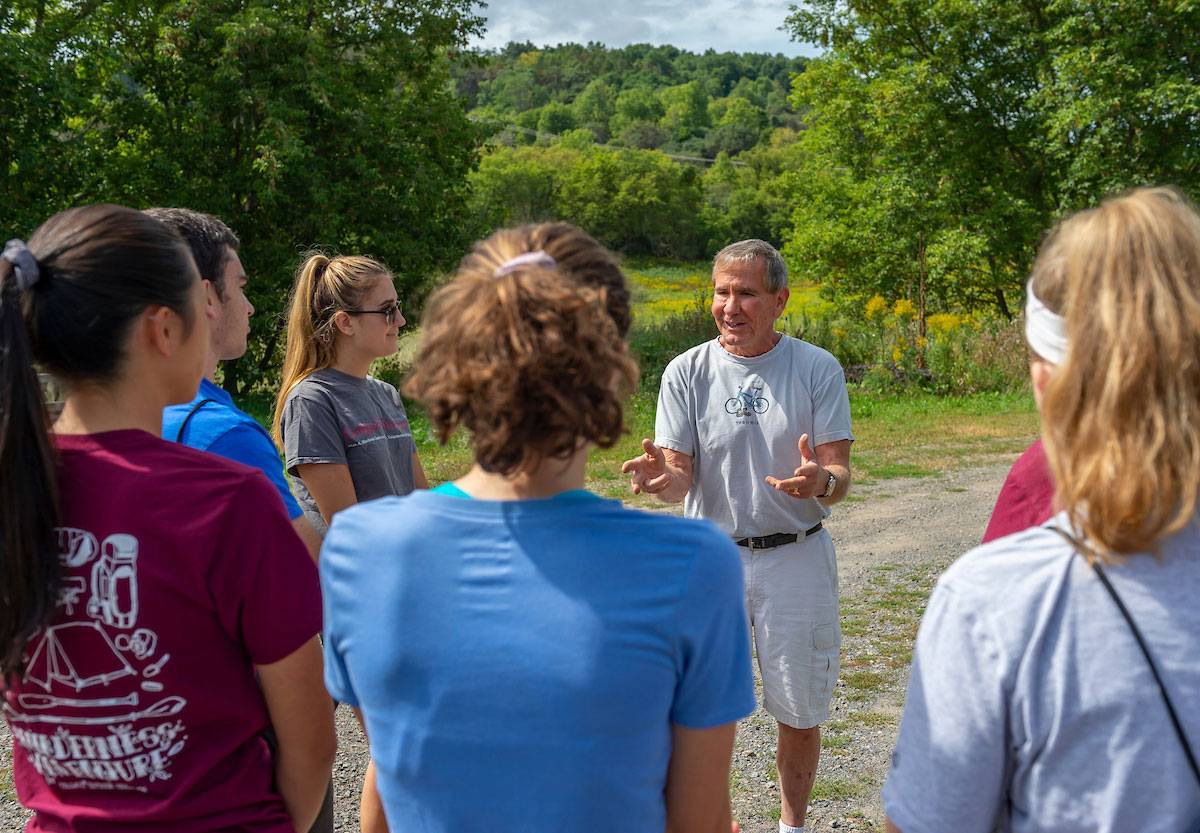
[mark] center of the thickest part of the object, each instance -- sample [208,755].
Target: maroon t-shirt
[1027,497]
[139,708]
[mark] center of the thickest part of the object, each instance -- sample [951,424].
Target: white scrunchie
[1045,331]
[538,258]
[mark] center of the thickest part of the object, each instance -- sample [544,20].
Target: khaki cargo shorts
[792,604]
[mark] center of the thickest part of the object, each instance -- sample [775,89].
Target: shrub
[655,343]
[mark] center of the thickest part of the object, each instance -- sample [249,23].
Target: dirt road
[893,534]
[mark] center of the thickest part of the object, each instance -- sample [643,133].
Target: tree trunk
[921,270]
[998,292]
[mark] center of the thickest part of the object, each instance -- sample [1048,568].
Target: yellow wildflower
[943,323]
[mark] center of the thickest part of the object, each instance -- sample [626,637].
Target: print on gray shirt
[740,419]
[333,417]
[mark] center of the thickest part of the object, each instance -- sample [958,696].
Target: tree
[685,110]
[555,118]
[298,123]
[962,129]
[635,104]
[638,202]
[634,201]
[594,107]
[513,186]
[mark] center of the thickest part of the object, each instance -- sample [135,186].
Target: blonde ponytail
[323,286]
[1121,415]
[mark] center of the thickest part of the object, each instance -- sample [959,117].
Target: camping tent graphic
[78,654]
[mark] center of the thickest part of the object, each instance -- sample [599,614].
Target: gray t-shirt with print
[1030,707]
[333,417]
[741,419]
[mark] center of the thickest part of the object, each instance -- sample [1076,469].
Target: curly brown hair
[532,361]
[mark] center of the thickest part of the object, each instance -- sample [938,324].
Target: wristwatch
[830,485]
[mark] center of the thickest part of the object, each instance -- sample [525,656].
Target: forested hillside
[655,150]
[639,96]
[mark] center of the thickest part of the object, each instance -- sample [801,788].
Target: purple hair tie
[25,265]
[538,258]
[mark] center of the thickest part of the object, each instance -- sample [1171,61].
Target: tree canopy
[638,96]
[944,138]
[298,123]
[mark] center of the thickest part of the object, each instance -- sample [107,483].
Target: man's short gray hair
[746,251]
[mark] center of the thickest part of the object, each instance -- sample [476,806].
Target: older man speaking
[753,433]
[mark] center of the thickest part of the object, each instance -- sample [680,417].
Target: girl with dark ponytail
[143,585]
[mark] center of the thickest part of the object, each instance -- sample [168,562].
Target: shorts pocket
[826,639]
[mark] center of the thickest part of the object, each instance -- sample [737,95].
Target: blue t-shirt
[220,427]
[523,661]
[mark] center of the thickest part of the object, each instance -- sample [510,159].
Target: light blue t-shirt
[520,663]
[220,427]
[1030,707]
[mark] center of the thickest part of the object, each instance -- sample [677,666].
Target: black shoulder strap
[1141,641]
[187,419]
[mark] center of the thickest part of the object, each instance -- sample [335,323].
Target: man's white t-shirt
[740,419]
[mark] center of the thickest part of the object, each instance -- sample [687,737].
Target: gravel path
[894,537]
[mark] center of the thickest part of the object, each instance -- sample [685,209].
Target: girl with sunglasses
[344,434]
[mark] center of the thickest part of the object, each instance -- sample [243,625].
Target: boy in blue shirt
[211,422]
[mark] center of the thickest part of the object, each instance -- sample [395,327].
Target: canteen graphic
[114,599]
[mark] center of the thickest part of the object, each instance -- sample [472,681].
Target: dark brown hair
[207,237]
[531,362]
[99,267]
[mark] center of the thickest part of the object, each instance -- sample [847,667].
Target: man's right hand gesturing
[662,472]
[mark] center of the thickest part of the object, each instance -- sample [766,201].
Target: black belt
[766,542]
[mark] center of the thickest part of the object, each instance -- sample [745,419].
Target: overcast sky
[724,25]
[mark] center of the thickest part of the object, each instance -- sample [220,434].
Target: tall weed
[655,342]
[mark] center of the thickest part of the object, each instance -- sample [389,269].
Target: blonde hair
[324,285]
[1121,415]
[530,361]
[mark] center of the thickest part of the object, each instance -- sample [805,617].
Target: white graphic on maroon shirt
[79,663]
[78,654]
[76,547]
[141,643]
[114,582]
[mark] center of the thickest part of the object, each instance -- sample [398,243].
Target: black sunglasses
[389,313]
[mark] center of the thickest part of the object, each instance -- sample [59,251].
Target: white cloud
[723,25]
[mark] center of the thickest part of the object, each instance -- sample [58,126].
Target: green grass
[835,789]
[7,794]
[914,435]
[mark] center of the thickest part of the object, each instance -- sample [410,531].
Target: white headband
[1045,331]
[538,258]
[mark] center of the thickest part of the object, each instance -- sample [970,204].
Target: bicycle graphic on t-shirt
[747,402]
